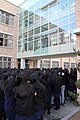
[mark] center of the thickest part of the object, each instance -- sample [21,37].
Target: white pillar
[50,63]
[38,63]
[22,63]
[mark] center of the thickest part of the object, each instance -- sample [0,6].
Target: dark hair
[18,79]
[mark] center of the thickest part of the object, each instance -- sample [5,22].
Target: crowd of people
[25,94]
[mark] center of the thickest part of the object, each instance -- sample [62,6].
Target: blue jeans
[38,114]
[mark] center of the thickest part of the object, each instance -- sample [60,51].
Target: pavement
[64,113]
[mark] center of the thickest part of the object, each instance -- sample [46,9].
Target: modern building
[48,32]
[8,34]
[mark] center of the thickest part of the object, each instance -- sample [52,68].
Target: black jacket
[40,90]
[24,99]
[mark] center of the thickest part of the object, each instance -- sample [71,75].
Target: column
[38,63]
[50,63]
[22,63]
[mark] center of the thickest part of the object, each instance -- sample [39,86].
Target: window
[44,41]
[6,40]
[61,38]
[72,38]
[71,2]
[45,64]
[20,38]
[73,65]
[51,26]
[20,26]
[30,46]
[11,20]
[10,41]
[31,20]
[25,23]
[36,44]
[30,33]
[2,17]
[63,4]
[53,8]
[37,18]
[5,62]
[66,65]
[53,39]
[19,48]
[44,27]
[44,11]
[37,30]
[1,41]
[6,18]
[25,35]
[25,47]
[55,64]
[30,39]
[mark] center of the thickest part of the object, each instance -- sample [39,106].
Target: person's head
[18,79]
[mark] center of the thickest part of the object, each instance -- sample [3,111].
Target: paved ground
[63,113]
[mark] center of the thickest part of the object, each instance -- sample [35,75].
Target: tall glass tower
[46,33]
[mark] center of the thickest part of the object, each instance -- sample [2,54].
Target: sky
[16,2]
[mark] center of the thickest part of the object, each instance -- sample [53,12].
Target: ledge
[72,114]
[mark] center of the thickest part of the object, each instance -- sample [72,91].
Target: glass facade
[46,24]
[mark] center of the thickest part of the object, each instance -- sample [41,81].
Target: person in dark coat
[66,83]
[3,78]
[39,94]
[72,80]
[24,99]
[1,104]
[46,80]
[9,98]
[56,88]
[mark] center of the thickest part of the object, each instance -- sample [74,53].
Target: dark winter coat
[40,89]
[24,99]
[56,84]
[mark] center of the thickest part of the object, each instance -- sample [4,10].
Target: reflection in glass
[19,48]
[36,44]
[30,46]
[44,41]
[63,5]
[63,38]
[53,39]
[30,33]
[31,20]
[37,30]
[30,39]
[72,38]
[44,12]
[44,27]
[25,47]
[37,18]
[53,8]
[51,26]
